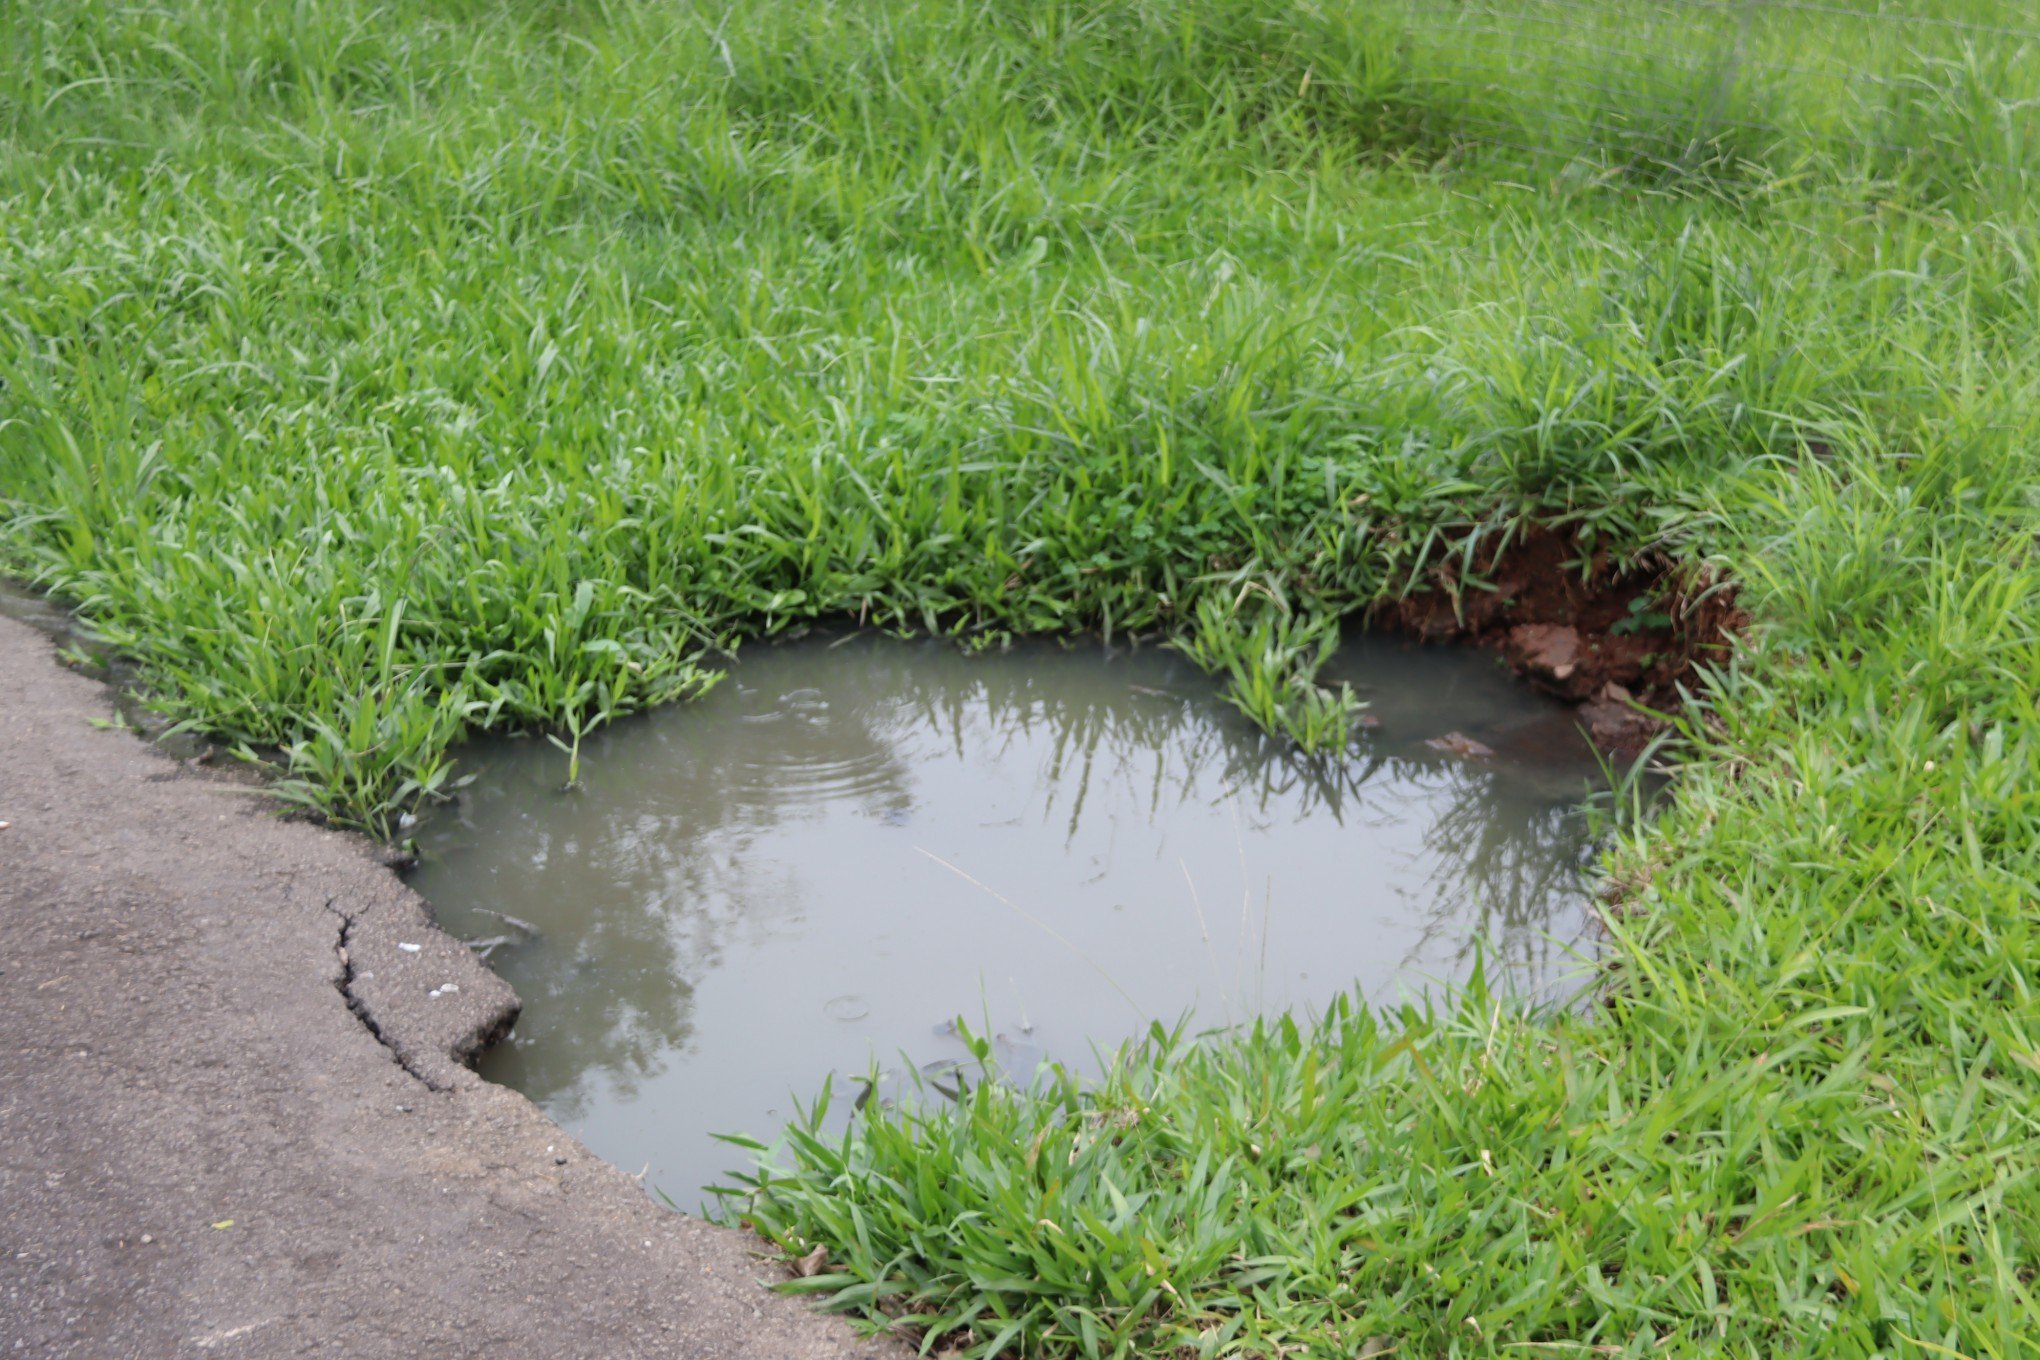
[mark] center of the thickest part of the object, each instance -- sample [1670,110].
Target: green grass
[374,374]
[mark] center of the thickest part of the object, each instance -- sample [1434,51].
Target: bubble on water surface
[847,1008]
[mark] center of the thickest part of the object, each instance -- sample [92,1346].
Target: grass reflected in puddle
[852,841]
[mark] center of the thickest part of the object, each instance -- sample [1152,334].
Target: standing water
[851,842]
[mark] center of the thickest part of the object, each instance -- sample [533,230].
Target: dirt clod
[1548,651]
[1614,639]
[1461,745]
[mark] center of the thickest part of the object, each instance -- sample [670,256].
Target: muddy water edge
[856,841]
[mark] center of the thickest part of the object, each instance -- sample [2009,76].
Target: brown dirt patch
[1615,641]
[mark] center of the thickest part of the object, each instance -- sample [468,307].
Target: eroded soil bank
[203,1152]
[1614,641]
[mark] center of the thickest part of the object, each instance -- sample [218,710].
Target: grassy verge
[374,374]
[1807,1122]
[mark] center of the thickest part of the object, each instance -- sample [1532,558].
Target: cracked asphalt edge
[195,1151]
[422,994]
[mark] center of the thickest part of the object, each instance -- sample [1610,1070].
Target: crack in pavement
[200,1154]
[342,947]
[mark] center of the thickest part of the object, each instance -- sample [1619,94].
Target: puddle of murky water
[851,841]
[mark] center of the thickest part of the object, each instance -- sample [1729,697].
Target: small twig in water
[1197,904]
[507,919]
[484,948]
[1267,921]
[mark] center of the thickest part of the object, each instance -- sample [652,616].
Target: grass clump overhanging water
[377,373]
[1807,1121]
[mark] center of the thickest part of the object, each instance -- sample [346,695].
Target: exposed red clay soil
[1616,642]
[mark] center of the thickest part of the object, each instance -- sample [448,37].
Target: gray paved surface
[177,1052]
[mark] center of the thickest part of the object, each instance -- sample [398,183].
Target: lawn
[373,374]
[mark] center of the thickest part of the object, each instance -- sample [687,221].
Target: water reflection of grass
[660,871]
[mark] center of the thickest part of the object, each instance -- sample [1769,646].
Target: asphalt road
[233,1119]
